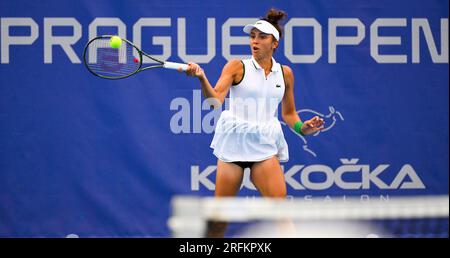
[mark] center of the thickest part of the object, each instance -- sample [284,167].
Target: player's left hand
[313,125]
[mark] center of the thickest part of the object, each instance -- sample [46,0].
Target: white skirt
[240,140]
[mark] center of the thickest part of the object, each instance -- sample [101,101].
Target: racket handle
[175,66]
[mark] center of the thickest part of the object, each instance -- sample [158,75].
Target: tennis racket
[107,62]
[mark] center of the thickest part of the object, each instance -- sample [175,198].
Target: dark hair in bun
[273,16]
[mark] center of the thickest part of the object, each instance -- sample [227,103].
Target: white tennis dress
[250,130]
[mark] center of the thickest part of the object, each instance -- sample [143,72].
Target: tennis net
[409,216]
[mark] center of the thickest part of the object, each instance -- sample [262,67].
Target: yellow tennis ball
[115,42]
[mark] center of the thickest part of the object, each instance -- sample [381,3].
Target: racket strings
[106,61]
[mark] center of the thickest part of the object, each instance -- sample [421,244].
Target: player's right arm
[232,72]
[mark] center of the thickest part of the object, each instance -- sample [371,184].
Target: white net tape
[190,214]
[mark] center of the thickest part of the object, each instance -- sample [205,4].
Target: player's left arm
[289,112]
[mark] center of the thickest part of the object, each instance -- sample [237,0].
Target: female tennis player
[249,134]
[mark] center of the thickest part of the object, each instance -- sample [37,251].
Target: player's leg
[228,179]
[228,182]
[268,178]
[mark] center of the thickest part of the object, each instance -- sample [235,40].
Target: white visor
[263,26]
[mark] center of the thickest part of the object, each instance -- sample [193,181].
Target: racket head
[107,62]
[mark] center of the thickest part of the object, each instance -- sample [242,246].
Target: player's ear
[275,43]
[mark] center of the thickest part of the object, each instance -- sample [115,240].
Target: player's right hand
[194,70]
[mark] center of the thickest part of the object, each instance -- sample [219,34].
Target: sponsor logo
[300,177]
[330,120]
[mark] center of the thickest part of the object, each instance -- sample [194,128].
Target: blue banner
[99,158]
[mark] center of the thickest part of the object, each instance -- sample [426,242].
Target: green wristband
[298,128]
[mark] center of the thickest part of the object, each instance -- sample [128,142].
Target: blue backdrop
[92,157]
